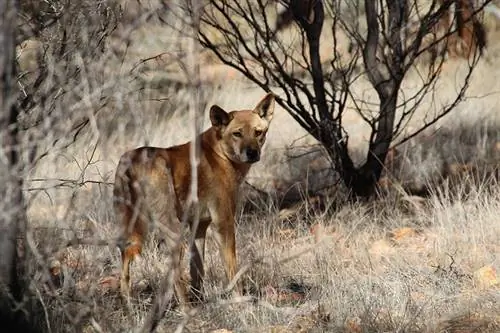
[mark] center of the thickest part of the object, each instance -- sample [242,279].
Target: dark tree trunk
[13,216]
[366,178]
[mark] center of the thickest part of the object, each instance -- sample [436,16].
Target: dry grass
[357,270]
[345,268]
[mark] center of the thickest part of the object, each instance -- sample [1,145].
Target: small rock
[486,277]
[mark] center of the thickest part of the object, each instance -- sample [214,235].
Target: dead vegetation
[384,266]
[421,257]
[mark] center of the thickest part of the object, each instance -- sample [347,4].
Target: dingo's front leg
[224,223]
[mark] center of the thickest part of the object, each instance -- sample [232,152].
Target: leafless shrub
[316,85]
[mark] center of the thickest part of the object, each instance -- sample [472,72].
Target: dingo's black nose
[253,155]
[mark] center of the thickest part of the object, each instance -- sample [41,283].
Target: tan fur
[152,186]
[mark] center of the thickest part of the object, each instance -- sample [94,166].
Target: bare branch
[244,36]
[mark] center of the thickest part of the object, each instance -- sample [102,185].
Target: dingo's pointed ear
[219,117]
[265,108]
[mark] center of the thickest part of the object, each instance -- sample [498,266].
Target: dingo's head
[243,133]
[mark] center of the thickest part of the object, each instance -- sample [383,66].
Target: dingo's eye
[258,132]
[237,134]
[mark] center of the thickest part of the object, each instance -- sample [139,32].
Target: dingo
[152,185]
